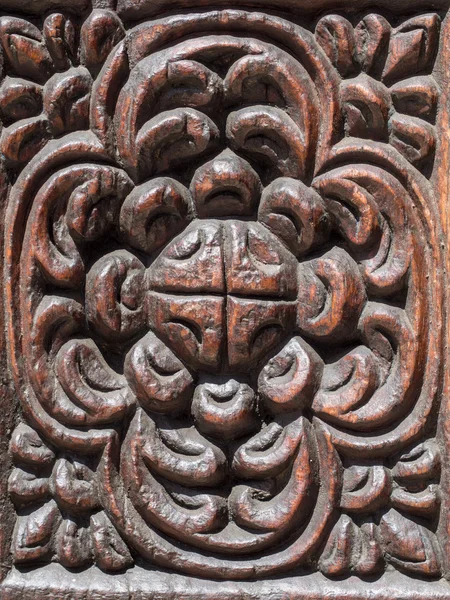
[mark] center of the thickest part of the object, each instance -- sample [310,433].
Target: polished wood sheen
[224,281]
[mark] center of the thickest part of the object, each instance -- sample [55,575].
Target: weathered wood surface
[224,300]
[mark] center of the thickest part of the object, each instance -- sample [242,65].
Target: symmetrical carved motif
[223,281]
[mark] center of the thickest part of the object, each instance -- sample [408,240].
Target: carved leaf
[73,544]
[410,546]
[27,446]
[25,487]
[33,533]
[111,552]
[414,138]
[22,44]
[22,140]
[365,489]
[335,35]
[59,34]
[372,39]
[336,558]
[100,32]
[412,47]
[351,549]
[367,104]
[74,486]
[66,100]
[417,97]
[19,99]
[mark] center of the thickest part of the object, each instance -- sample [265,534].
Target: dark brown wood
[225,246]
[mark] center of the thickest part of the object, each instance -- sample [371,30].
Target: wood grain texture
[225,295]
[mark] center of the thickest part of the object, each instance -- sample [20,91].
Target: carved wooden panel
[224,293]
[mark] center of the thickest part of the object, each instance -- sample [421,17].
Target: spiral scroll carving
[218,257]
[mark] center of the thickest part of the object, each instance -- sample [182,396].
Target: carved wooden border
[140,582]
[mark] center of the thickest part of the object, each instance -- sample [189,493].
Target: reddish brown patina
[224,273]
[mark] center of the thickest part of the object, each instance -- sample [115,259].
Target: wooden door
[224,300]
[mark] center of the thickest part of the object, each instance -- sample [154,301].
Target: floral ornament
[387,90]
[67,521]
[224,345]
[47,94]
[410,488]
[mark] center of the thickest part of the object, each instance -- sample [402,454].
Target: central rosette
[222,295]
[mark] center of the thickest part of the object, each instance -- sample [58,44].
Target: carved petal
[295,213]
[254,328]
[22,45]
[290,379]
[114,295]
[192,263]
[154,213]
[331,296]
[257,264]
[160,381]
[225,411]
[225,186]
[270,134]
[191,325]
